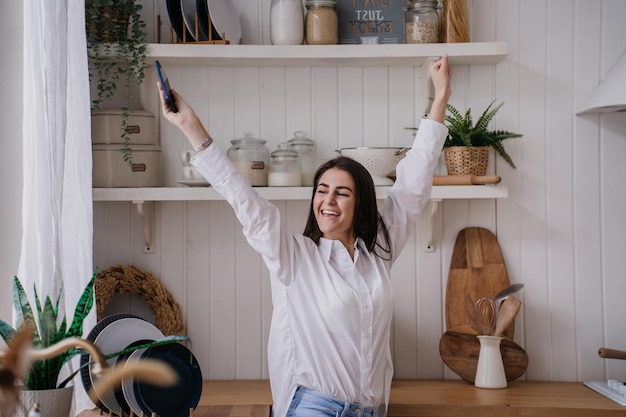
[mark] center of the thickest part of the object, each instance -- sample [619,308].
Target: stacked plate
[118,332]
[224,20]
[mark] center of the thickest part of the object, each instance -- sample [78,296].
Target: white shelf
[280,193]
[473,53]
[144,199]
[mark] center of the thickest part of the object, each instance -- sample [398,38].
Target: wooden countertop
[411,398]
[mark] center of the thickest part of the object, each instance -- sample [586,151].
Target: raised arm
[440,74]
[185,119]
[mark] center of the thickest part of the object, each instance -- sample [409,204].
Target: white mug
[185,157]
[192,174]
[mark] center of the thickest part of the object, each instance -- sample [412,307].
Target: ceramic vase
[490,369]
[52,402]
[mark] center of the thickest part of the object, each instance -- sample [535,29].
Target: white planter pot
[52,402]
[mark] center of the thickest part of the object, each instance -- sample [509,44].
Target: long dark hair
[367,220]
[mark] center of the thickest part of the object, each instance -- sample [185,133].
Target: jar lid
[300,139]
[423,3]
[248,137]
[283,152]
[321,3]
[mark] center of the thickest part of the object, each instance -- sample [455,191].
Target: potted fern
[466,148]
[116,45]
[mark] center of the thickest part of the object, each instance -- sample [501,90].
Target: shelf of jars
[472,53]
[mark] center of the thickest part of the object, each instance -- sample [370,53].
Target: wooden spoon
[508,310]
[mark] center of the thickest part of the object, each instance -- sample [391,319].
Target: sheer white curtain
[57,205]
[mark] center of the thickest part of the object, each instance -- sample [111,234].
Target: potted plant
[55,344]
[116,45]
[466,148]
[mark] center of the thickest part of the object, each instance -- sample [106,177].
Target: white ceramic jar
[286,22]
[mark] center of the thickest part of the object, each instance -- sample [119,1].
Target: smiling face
[334,203]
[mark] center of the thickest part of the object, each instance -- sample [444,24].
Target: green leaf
[24,310]
[83,307]
[6,331]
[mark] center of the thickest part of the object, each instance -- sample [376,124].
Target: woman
[328,349]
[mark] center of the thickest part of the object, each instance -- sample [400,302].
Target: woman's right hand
[185,119]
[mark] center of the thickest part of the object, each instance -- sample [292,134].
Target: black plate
[112,334]
[176,19]
[85,371]
[203,21]
[173,401]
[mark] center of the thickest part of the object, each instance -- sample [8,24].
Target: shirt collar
[326,246]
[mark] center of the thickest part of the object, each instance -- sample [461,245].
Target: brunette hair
[367,220]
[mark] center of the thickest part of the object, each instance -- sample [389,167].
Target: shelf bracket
[145,209]
[423,91]
[428,222]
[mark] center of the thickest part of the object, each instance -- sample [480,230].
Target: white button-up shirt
[331,320]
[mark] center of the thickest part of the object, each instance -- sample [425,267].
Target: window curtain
[57,242]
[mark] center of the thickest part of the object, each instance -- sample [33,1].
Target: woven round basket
[459,161]
[128,279]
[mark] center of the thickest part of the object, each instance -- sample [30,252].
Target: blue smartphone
[167,90]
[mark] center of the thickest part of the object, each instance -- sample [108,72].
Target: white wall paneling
[561,229]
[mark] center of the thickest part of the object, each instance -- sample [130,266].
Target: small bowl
[380,162]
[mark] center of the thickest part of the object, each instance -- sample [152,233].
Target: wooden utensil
[459,350]
[507,313]
[611,353]
[477,269]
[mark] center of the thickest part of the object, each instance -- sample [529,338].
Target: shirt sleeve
[414,178]
[260,219]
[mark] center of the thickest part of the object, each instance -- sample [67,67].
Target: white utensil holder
[490,369]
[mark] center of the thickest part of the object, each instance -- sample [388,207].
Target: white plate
[224,17]
[194,183]
[116,337]
[188,7]
[127,384]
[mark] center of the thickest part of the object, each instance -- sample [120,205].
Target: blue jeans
[309,403]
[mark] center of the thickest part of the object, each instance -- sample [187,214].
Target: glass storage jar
[307,155]
[284,168]
[251,157]
[321,22]
[286,22]
[422,22]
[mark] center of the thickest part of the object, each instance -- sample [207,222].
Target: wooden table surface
[411,398]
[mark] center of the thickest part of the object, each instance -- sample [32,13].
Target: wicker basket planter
[459,161]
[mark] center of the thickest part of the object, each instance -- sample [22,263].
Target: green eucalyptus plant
[116,45]
[463,132]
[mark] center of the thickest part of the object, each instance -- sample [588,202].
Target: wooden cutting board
[477,268]
[459,350]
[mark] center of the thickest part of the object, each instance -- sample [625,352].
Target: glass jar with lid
[251,157]
[284,168]
[422,22]
[307,155]
[321,26]
[286,22]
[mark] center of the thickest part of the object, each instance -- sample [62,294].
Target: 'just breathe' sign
[370,21]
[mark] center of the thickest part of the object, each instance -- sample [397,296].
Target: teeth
[330,213]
